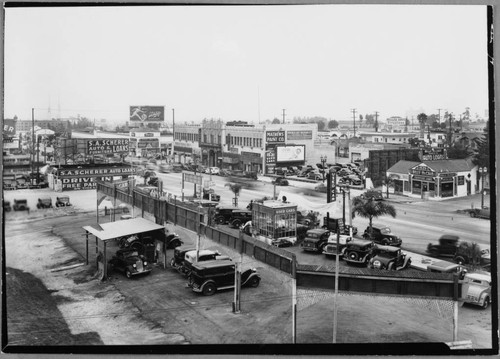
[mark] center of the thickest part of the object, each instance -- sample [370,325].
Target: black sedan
[129,261]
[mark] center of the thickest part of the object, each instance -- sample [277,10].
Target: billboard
[290,153]
[107,145]
[147,113]
[9,127]
[299,135]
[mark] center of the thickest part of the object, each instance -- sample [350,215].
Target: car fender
[252,275]
[205,283]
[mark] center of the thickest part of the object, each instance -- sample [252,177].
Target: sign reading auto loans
[107,145]
[147,113]
[96,172]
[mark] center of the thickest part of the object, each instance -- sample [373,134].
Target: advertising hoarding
[9,127]
[148,143]
[290,153]
[147,113]
[107,145]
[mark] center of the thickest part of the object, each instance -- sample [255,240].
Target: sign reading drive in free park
[107,145]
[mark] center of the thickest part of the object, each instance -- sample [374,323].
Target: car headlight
[134,265]
[376,264]
[145,263]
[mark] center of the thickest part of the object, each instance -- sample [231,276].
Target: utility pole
[354,119]
[173,134]
[32,141]
[376,121]
[336,295]
[283,115]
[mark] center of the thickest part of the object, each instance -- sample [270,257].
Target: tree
[364,206]
[458,151]
[321,125]
[482,153]
[333,124]
[276,120]
[370,119]
[422,119]
[236,189]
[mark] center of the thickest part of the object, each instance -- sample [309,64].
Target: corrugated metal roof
[121,228]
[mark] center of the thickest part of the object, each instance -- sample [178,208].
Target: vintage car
[331,247]
[332,224]
[62,201]
[476,289]
[239,217]
[20,205]
[210,276]
[44,202]
[322,188]
[210,195]
[214,170]
[164,168]
[6,206]
[130,262]
[203,255]
[173,240]
[390,258]
[358,251]
[9,184]
[316,240]
[223,214]
[316,176]
[280,181]
[177,262]
[21,183]
[480,212]
[460,251]
[382,235]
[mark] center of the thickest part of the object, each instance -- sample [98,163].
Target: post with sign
[331,195]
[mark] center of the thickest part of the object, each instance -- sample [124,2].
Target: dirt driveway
[52,299]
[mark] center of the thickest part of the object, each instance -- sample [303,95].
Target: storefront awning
[121,228]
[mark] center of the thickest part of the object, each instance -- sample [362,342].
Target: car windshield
[385,230]
[131,254]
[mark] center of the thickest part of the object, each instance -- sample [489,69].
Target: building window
[218,139]
[204,138]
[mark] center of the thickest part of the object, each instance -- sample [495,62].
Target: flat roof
[105,231]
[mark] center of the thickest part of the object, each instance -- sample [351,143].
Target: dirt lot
[53,299]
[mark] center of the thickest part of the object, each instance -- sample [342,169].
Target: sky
[245,63]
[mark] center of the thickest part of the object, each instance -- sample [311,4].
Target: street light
[482,172]
[323,161]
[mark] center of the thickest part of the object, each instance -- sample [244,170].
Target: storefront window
[417,187]
[406,186]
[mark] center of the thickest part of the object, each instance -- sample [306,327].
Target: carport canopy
[118,229]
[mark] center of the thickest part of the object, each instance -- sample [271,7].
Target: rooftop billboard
[147,113]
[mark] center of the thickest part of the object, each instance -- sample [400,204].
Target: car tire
[219,220]
[172,263]
[254,282]
[353,256]
[209,289]
[236,223]
[459,260]
[128,274]
[472,214]
[486,303]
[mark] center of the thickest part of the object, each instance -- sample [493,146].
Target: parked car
[62,201]
[212,276]
[476,289]
[382,235]
[332,224]
[177,261]
[331,247]
[173,240]
[164,168]
[21,183]
[214,170]
[239,217]
[280,171]
[316,176]
[292,170]
[224,172]
[223,214]
[390,258]
[20,205]
[281,243]
[303,172]
[130,262]
[322,188]
[210,195]
[358,251]
[44,202]
[280,181]
[6,206]
[373,194]
[9,184]
[316,240]
[177,167]
[203,255]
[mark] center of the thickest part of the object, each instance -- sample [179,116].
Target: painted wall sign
[275,137]
[299,135]
[107,145]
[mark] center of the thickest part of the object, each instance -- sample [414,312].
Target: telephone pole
[283,115]
[376,121]
[173,134]
[354,119]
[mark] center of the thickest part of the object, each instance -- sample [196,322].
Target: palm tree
[367,207]
[236,189]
